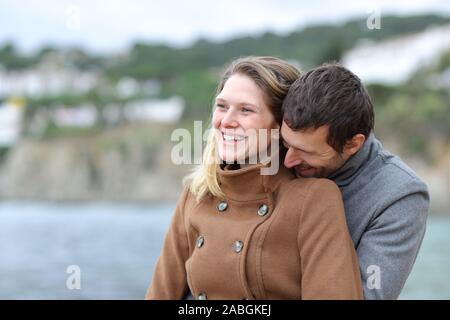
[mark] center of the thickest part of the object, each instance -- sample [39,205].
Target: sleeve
[389,247]
[169,281]
[329,264]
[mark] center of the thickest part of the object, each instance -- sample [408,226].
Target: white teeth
[228,138]
[233,138]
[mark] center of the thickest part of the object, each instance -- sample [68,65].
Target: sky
[112,25]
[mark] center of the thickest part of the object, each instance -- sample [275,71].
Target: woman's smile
[231,138]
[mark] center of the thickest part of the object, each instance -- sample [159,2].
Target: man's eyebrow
[297,148]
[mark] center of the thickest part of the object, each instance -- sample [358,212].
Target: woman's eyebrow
[218,99]
[250,104]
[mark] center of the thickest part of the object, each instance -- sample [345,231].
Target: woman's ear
[353,145]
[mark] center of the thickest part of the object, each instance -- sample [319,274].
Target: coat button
[238,245]
[201,296]
[222,206]
[200,241]
[263,210]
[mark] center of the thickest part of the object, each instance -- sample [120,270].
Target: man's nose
[291,159]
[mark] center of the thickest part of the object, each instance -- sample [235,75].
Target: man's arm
[388,248]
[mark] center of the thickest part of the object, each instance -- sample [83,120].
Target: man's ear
[353,145]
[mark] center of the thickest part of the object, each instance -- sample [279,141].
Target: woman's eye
[247,110]
[220,106]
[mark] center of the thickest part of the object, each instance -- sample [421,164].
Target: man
[328,130]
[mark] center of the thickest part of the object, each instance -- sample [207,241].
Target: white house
[83,116]
[148,110]
[50,77]
[10,122]
[395,60]
[155,110]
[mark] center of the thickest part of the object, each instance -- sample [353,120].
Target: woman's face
[239,116]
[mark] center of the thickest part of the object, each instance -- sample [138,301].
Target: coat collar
[247,183]
[345,174]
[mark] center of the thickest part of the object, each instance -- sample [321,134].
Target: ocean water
[115,247]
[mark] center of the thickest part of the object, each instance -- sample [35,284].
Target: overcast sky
[105,25]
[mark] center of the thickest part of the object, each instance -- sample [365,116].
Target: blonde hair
[274,77]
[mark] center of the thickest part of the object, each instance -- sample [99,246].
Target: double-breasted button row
[262,210]
[237,245]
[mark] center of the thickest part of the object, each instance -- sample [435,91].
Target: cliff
[119,165]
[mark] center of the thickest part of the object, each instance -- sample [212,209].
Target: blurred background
[90,92]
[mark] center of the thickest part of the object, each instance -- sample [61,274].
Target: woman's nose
[229,120]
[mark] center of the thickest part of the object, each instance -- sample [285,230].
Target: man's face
[309,153]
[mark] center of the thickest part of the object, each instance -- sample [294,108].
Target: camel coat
[272,237]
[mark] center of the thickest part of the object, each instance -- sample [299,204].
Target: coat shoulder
[306,187]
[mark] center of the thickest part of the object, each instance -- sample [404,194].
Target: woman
[238,234]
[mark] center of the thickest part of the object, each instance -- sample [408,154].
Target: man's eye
[247,110]
[221,106]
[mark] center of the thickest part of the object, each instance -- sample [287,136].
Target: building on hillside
[155,110]
[395,60]
[83,116]
[11,113]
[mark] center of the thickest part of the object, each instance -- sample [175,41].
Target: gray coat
[386,207]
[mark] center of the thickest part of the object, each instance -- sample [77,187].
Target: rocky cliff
[113,166]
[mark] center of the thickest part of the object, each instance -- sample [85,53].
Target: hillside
[130,161]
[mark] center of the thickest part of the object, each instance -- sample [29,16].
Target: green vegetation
[415,113]
[11,59]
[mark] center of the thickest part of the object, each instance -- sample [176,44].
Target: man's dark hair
[329,95]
